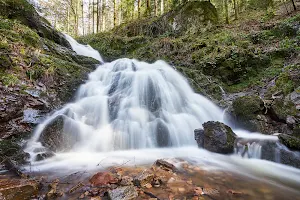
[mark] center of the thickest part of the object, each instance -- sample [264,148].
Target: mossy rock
[248,107]
[218,137]
[26,14]
[246,110]
[290,141]
[190,15]
[283,108]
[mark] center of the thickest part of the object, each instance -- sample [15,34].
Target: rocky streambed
[165,179]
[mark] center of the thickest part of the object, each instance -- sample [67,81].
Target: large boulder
[55,139]
[177,21]
[216,137]
[245,111]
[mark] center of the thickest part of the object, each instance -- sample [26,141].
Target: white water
[128,109]
[84,50]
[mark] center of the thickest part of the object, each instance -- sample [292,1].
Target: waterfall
[134,112]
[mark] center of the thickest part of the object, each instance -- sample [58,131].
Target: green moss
[247,107]
[8,79]
[290,141]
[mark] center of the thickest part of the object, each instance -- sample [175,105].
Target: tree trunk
[226,11]
[97,17]
[155,7]
[82,17]
[68,20]
[93,10]
[115,14]
[235,9]
[148,10]
[161,7]
[139,8]
[294,5]
[103,15]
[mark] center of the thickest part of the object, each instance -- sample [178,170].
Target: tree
[226,11]
[294,5]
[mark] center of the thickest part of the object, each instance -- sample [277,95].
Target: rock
[54,138]
[123,193]
[199,137]
[53,192]
[103,178]
[218,138]
[290,120]
[45,155]
[245,110]
[165,165]
[290,141]
[143,179]
[18,189]
[126,180]
[24,12]
[270,150]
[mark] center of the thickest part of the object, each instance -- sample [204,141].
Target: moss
[290,141]
[8,79]
[247,107]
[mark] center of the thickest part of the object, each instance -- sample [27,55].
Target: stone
[103,178]
[45,155]
[165,165]
[199,137]
[20,189]
[142,179]
[290,141]
[290,120]
[245,110]
[126,180]
[218,138]
[123,193]
[55,139]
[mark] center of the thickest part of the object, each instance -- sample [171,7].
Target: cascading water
[128,110]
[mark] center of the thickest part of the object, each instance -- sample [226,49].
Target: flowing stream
[131,112]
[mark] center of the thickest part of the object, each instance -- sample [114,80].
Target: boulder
[216,137]
[54,138]
[123,193]
[245,111]
[290,141]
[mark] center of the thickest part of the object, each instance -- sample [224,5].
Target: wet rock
[12,189]
[143,179]
[218,138]
[270,150]
[45,155]
[123,193]
[290,141]
[54,138]
[165,165]
[162,134]
[199,137]
[103,178]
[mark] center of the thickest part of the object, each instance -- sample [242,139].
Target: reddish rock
[103,178]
